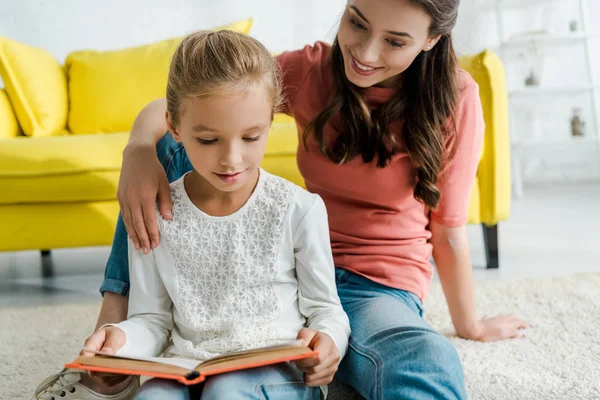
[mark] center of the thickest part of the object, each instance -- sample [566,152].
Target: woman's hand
[492,329]
[107,340]
[143,181]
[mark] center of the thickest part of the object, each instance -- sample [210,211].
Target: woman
[391,132]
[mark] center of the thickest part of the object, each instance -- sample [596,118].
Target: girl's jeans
[276,382]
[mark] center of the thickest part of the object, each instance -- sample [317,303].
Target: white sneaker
[66,386]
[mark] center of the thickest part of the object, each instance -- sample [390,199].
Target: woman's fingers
[128,222]
[150,222]
[140,227]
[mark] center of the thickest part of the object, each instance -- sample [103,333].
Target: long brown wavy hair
[425,103]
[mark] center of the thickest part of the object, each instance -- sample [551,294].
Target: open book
[191,372]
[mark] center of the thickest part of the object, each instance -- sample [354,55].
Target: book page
[188,364]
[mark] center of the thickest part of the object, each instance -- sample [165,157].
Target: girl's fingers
[330,361]
[94,342]
[307,363]
[322,378]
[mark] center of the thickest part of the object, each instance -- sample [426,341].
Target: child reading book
[245,261]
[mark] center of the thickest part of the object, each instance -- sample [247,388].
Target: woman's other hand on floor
[500,327]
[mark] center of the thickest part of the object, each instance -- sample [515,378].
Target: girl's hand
[500,327]
[318,370]
[143,180]
[107,340]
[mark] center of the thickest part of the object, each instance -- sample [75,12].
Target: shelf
[545,91]
[573,141]
[550,38]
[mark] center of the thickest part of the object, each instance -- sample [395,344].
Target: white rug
[559,358]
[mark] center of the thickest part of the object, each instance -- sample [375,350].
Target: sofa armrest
[493,174]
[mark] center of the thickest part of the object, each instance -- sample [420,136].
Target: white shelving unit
[523,147]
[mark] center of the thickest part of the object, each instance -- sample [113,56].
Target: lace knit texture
[225,267]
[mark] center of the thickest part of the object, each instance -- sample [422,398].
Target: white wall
[61,26]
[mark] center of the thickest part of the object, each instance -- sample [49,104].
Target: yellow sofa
[58,177]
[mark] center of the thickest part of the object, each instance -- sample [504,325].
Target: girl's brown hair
[425,103]
[209,64]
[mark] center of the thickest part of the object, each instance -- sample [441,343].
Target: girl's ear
[172,128]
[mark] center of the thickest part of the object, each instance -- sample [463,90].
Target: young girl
[245,260]
[393,132]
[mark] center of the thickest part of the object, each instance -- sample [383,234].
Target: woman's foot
[73,384]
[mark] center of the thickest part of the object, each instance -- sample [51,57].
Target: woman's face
[379,40]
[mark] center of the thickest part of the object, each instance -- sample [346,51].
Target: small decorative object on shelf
[577,125]
[532,79]
[574,25]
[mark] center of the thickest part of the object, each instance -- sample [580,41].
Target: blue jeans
[393,353]
[276,382]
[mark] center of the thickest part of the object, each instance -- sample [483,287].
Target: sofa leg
[490,239]
[47,264]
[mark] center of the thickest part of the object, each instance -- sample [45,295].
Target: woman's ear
[431,42]
[172,128]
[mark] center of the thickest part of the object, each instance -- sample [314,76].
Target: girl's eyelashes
[205,141]
[213,141]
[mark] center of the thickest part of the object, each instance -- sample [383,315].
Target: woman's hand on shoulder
[143,180]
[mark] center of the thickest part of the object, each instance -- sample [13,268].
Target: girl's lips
[358,70]
[230,178]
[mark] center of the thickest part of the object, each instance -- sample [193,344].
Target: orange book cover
[191,372]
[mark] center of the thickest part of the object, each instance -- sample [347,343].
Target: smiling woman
[395,46]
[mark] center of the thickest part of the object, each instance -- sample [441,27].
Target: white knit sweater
[222,284]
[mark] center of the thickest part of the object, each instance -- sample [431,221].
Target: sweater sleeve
[318,298]
[150,317]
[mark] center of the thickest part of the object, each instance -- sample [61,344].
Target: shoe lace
[57,386]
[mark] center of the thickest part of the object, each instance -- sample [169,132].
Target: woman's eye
[357,24]
[205,141]
[396,44]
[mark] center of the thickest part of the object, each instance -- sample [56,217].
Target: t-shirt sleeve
[456,180]
[295,66]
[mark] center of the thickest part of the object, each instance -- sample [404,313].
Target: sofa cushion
[108,89]
[78,168]
[37,87]
[60,169]
[9,127]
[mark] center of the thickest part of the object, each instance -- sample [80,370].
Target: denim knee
[159,389]
[280,382]
[442,364]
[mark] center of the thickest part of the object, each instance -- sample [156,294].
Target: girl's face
[379,40]
[225,137]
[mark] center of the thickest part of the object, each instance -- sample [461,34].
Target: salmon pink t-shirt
[377,227]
